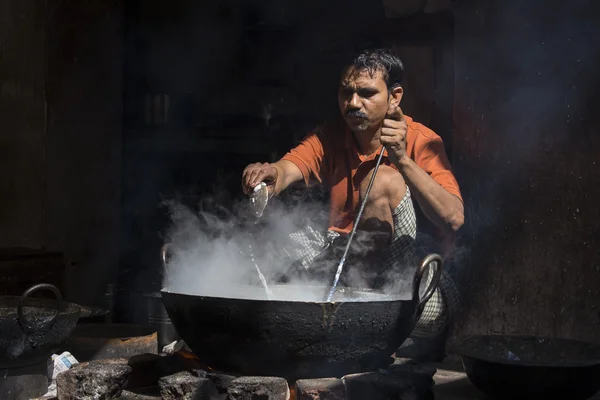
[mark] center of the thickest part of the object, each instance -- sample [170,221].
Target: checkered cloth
[402,255]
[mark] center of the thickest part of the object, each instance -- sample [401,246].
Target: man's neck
[367,142]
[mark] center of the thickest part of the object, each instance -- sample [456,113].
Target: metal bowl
[31,329]
[531,367]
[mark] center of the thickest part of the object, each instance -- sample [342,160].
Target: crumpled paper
[174,347]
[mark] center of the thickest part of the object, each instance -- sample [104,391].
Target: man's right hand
[256,173]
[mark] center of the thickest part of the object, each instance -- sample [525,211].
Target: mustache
[356,114]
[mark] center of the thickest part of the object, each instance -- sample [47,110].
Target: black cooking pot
[296,339]
[32,329]
[515,367]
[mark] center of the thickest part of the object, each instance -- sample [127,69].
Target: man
[342,155]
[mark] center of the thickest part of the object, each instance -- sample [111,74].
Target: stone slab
[264,388]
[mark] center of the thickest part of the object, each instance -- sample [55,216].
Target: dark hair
[383,60]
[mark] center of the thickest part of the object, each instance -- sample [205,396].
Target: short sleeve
[430,155]
[309,156]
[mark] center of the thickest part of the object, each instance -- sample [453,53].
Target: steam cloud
[210,254]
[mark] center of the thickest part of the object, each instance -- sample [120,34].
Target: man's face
[363,99]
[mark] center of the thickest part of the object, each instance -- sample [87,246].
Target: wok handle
[41,286]
[427,261]
[164,254]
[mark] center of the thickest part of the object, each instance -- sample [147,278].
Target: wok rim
[67,307]
[480,357]
[277,301]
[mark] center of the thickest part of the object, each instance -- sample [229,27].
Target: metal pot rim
[467,353]
[278,301]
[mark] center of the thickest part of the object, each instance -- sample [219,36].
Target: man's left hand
[393,135]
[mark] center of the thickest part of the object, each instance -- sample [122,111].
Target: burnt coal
[221,381]
[258,387]
[187,386]
[320,389]
[98,380]
[171,377]
[139,395]
[147,369]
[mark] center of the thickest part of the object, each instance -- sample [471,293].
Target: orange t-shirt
[330,156]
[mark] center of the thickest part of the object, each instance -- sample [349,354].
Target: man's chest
[346,173]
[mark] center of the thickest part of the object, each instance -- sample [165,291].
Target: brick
[258,387]
[320,389]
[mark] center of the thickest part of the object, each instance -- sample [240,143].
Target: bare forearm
[287,173]
[280,185]
[443,208]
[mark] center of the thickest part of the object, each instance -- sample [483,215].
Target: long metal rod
[360,211]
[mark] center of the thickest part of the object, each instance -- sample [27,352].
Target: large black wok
[32,329]
[295,339]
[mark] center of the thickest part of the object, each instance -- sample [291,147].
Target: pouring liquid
[258,202]
[262,278]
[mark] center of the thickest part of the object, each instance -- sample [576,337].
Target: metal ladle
[360,211]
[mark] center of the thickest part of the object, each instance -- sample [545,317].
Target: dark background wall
[22,115]
[108,107]
[60,131]
[526,145]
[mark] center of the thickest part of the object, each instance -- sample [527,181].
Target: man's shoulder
[419,132]
[328,132]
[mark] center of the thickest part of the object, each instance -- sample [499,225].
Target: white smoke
[210,254]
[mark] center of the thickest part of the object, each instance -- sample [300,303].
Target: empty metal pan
[513,367]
